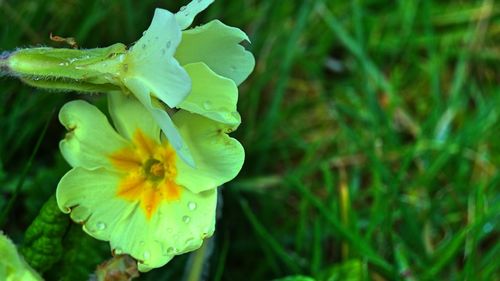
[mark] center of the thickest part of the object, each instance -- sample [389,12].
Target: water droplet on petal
[168,44]
[188,242]
[192,206]
[117,251]
[163,51]
[207,105]
[183,8]
[186,219]
[233,68]
[146,255]
[170,250]
[101,226]
[142,243]
[143,46]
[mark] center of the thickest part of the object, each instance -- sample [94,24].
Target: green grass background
[371,130]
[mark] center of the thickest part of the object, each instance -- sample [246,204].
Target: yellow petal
[162,119]
[218,157]
[128,114]
[217,45]
[176,227]
[151,61]
[90,137]
[212,96]
[187,13]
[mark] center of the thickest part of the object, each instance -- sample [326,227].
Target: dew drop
[186,219]
[183,8]
[142,243]
[186,14]
[169,43]
[146,255]
[233,68]
[189,242]
[101,226]
[207,105]
[170,250]
[163,51]
[117,251]
[144,46]
[144,33]
[192,206]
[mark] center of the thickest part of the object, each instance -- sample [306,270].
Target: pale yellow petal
[90,138]
[217,45]
[218,157]
[212,96]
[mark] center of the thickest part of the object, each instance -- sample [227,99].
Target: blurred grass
[371,130]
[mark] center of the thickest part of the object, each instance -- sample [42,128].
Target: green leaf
[42,241]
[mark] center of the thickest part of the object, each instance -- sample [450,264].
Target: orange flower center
[149,173]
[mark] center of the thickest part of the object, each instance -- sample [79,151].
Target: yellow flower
[163,67]
[128,186]
[210,55]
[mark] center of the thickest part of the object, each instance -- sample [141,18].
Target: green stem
[197,262]
[6,211]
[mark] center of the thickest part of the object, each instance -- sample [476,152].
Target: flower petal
[177,227]
[162,118]
[212,96]
[90,138]
[218,157]
[151,60]
[187,13]
[128,114]
[217,45]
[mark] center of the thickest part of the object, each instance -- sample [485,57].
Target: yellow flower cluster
[152,194]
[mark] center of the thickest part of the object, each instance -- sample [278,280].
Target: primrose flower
[162,67]
[208,54]
[12,265]
[128,185]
